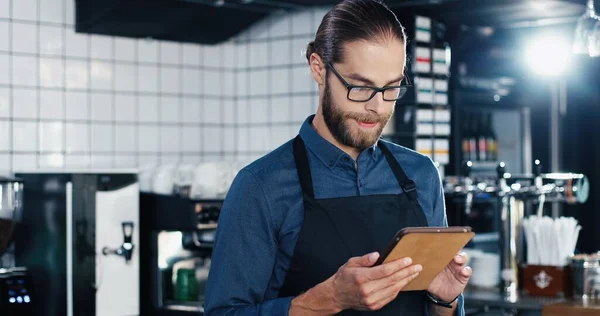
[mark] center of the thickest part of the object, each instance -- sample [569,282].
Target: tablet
[431,247]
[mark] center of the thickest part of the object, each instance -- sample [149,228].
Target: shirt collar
[327,152]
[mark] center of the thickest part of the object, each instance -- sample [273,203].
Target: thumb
[363,261]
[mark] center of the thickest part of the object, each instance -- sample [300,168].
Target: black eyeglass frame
[401,92]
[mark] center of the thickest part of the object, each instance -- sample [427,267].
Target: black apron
[336,229]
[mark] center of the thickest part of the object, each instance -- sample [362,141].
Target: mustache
[366,117]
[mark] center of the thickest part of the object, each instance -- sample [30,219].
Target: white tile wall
[124,49]
[25,10]
[24,136]
[51,40]
[124,138]
[101,105]
[148,138]
[76,45]
[52,72]
[169,109]
[147,51]
[52,104]
[101,47]
[124,77]
[191,80]
[78,139]
[24,71]
[51,161]
[148,109]
[77,107]
[24,103]
[51,136]
[4,8]
[5,102]
[5,130]
[125,108]
[4,34]
[52,11]
[4,69]
[77,76]
[70,100]
[192,54]
[191,110]
[102,137]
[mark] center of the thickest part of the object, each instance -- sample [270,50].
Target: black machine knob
[501,169]
[537,169]
[467,167]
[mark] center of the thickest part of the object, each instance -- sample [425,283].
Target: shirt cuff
[278,306]
[460,306]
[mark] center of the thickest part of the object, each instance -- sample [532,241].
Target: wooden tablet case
[431,248]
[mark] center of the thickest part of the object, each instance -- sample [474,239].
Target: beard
[338,122]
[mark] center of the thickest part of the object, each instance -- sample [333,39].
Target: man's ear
[317,68]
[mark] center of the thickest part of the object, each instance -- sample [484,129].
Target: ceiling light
[548,56]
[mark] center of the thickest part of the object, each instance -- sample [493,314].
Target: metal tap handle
[539,185]
[126,249]
[467,168]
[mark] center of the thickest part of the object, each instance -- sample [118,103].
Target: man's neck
[319,125]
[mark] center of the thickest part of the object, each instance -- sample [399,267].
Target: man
[300,227]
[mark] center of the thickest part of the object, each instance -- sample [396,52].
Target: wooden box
[546,281]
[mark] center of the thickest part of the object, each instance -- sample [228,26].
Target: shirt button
[346,159]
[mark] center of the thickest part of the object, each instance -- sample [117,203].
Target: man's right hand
[357,285]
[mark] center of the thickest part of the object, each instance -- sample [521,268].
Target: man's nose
[376,104]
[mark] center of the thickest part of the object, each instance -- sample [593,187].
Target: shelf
[174,213]
[494,299]
[173,308]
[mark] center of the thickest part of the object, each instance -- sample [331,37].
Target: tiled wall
[72,100]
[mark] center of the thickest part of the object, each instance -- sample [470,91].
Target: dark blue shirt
[263,212]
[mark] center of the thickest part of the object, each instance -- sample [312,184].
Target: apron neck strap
[302,167]
[301,159]
[408,186]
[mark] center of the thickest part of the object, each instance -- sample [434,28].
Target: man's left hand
[452,280]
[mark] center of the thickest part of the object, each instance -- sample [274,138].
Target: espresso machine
[178,237]
[16,286]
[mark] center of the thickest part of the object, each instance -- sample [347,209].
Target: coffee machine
[16,286]
[178,237]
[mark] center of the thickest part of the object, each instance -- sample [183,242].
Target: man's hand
[357,285]
[452,280]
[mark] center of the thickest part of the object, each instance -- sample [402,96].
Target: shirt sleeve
[244,254]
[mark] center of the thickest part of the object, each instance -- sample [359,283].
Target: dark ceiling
[214,21]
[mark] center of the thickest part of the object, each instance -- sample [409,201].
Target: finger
[363,261]
[403,275]
[388,268]
[466,272]
[461,258]
[382,297]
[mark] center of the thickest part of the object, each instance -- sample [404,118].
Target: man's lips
[367,124]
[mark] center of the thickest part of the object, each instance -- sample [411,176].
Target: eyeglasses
[366,93]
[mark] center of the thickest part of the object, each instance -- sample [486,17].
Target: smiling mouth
[367,124]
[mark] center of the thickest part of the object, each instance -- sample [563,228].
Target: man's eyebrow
[361,78]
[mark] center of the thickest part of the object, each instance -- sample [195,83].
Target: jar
[585,270]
